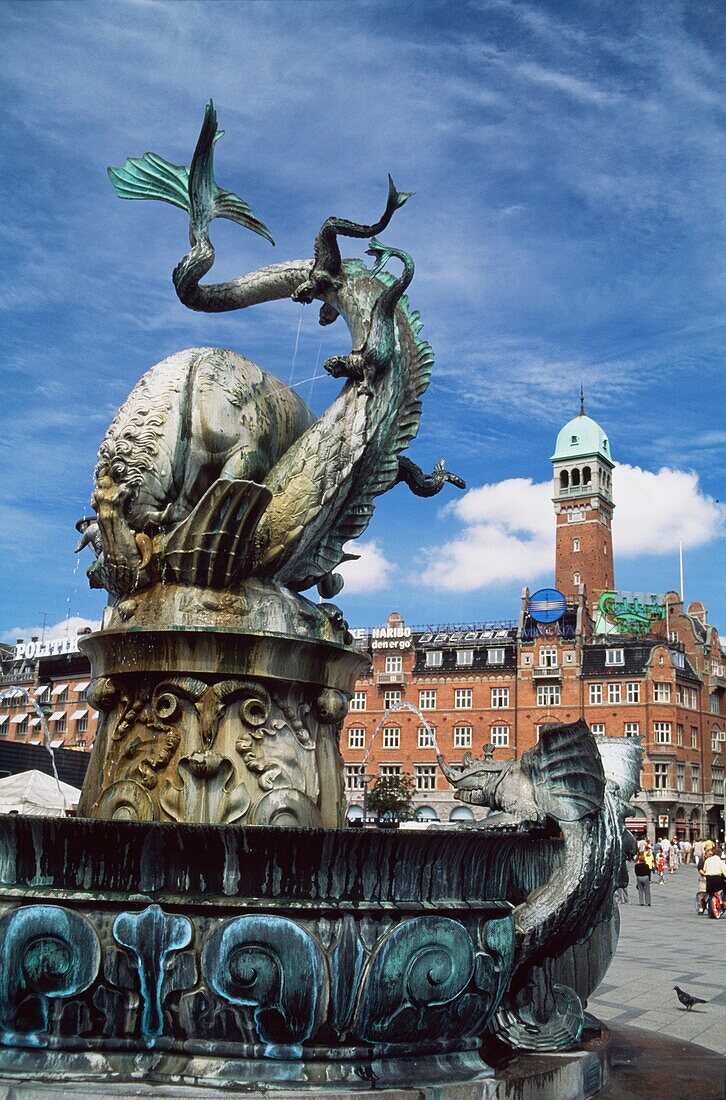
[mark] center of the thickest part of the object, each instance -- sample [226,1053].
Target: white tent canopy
[36,794]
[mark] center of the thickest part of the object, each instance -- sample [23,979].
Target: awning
[34,722]
[43,689]
[57,743]
[78,714]
[3,719]
[83,686]
[17,718]
[56,715]
[59,689]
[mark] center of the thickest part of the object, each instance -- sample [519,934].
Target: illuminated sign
[628,613]
[547,605]
[50,647]
[391,637]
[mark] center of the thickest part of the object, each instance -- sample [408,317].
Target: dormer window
[573,440]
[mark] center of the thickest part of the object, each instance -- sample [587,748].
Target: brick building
[630,666]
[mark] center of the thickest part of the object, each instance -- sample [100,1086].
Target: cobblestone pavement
[665,945]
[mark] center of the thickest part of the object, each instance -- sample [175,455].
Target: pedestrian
[673,860]
[686,851]
[665,845]
[698,853]
[642,879]
[660,864]
[649,855]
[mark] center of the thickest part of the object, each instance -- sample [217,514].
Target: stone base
[46,1075]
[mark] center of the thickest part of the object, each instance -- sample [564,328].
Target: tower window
[586,475]
[576,578]
[576,546]
[573,440]
[575,477]
[564,479]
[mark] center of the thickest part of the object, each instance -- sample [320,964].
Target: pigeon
[686,998]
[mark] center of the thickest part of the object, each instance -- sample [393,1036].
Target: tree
[391,796]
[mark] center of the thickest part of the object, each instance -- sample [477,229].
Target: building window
[390,771]
[392,737]
[356,737]
[495,657]
[82,724]
[694,700]
[715,704]
[595,694]
[661,693]
[354,777]
[717,739]
[679,661]
[391,699]
[548,657]
[499,735]
[358,702]
[425,737]
[632,693]
[694,737]
[434,658]
[662,733]
[427,699]
[614,693]
[576,578]
[60,724]
[548,695]
[679,695]
[679,735]
[425,777]
[62,695]
[394,663]
[500,697]
[463,699]
[660,776]
[614,657]
[462,737]
[576,546]
[695,779]
[680,777]
[465,656]
[598,728]
[717,775]
[632,729]
[21,728]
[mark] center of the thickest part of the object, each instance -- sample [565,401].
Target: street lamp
[365,780]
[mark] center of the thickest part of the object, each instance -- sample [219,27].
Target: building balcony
[717,683]
[554,673]
[383,679]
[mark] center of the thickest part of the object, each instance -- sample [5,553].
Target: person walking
[673,857]
[642,879]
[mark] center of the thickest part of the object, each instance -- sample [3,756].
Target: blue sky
[568,164]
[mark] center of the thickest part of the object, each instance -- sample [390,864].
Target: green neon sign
[629,612]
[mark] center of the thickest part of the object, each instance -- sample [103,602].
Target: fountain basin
[309,954]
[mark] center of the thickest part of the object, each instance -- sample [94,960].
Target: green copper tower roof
[581,437]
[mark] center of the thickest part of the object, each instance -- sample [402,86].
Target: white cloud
[509,527]
[370,573]
[67,628]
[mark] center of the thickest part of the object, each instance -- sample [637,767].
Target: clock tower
[582,465]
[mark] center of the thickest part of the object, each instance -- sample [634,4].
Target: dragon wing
[567,772]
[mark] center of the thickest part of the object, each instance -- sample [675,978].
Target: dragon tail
[194,189]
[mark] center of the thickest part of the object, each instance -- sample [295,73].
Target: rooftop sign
[628,613]
[49,647]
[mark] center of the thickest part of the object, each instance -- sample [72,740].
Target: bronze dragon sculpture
[214,470]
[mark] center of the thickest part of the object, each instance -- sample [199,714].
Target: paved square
[665,945]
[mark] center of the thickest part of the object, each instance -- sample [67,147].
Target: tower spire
[582,400]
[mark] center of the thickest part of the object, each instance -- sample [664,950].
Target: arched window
[576,578]
[461,813]
[564,479]
[576,546]
[586,475]
[426,813]
[575,477]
